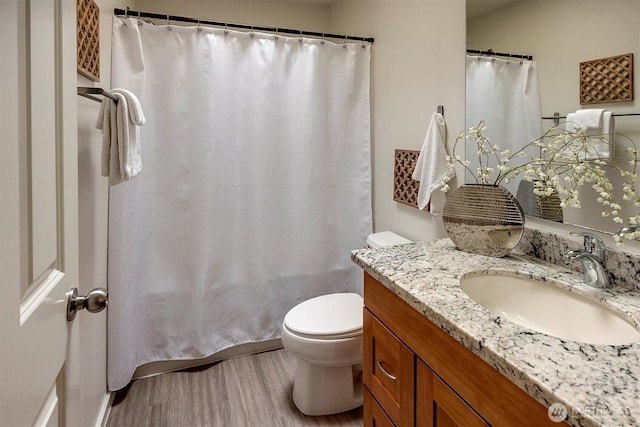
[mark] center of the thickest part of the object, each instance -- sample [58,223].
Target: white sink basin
[546,308]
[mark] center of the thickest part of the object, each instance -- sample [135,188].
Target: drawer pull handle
[384,371]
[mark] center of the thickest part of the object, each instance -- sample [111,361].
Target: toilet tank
[385,238]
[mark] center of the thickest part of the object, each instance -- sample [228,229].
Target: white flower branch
[567,161]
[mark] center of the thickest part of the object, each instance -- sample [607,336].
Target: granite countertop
[598,384]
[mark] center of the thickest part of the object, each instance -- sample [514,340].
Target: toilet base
[324,390]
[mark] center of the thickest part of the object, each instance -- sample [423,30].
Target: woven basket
[483,219]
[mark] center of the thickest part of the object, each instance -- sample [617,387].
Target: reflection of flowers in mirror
[566,161]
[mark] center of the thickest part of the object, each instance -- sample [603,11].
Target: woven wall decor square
[88,33]
[405,188]
[607,80]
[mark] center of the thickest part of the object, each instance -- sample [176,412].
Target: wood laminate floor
[247,391]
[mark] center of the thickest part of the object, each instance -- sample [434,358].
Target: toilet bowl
[325,335]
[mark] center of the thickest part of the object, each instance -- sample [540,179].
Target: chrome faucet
[592,257]
[627,229]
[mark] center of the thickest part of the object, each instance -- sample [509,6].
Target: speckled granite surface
[598,384]
[624,268]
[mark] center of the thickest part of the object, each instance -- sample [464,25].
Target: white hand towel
[571,123]
[600,137]
[106,122]
[121,151]
[113,171]
[135,109]
[589,118]
[431,166]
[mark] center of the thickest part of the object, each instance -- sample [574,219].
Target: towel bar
[556,116]
[87,91]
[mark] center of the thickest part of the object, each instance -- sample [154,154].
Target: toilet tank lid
[331,314]
[385,238]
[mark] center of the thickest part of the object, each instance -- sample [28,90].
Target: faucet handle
[627,229]
[592,243]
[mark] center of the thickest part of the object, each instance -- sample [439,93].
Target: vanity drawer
[374,416]
[388,371]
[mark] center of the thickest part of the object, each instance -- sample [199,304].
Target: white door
[38,210]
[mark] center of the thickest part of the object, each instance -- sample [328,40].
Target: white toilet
[325,335]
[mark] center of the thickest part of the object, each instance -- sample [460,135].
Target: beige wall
[93,196]
[417,64]
[305,15]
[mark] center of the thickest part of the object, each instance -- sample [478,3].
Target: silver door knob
[95,301]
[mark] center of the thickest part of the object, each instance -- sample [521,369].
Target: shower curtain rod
[490,52]
[169,18]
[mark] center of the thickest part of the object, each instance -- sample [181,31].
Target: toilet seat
[327,317]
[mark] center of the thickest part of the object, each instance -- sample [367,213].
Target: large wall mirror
[560,35]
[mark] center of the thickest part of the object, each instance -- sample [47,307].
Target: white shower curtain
[505,94]
[255,186]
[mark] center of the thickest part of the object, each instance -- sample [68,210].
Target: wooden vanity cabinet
[438,405]
[438,382]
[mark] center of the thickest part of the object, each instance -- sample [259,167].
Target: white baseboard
[105,409]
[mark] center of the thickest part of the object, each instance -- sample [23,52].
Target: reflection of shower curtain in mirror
[505,94]
[255,187]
